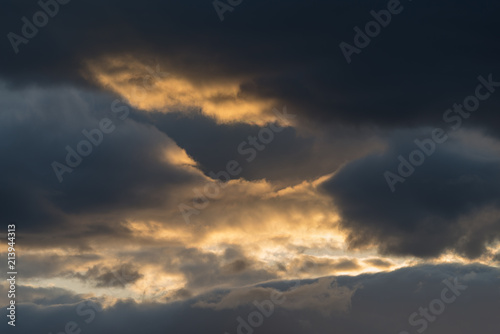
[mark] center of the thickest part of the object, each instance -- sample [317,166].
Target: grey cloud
[42,296]
[449,202]
[117,276]
[50,265]
[381,303]
[379,263]
[290,54]
[126,172]
[321,266]
[293,155]
[203,269]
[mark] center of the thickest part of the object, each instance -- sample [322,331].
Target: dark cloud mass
[437,203]
[124,174]
[291,156]
[425,60]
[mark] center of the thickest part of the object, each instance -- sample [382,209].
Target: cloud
[313,203]
[133,168]
[394,82]
[293,155]
[49,264]
[379,263]
[450,202]
[223,101]
[323,266]
[322,295]
[118,276]
[42,296]
[371,302]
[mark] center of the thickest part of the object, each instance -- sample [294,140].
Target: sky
[250,166]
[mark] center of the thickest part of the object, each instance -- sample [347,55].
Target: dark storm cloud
[291,155]
[381,303]
[127,171]
[427,58]
[213,145]
[450,202]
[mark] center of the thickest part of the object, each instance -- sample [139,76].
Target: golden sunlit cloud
[151,89]
[266,237]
